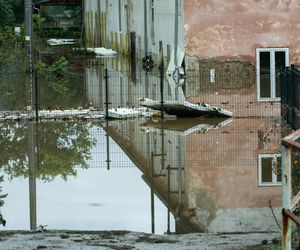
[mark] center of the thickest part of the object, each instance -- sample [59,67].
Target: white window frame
[274,176]
[272,71]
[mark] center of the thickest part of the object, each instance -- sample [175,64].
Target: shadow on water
[198,175]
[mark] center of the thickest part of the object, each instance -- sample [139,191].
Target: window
[268,64]
[269,169]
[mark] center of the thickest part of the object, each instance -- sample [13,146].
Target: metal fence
[290,96]
[100,88]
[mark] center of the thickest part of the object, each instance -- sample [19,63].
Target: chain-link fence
[99,89]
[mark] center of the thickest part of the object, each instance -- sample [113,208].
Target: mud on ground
[124,240]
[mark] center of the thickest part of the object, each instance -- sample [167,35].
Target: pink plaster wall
[225,163]
[227,29]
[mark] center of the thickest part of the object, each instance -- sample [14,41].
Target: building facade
[233,50]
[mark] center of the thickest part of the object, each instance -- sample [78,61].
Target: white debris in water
[121,113]
[91,113]
[55,42]
[102,51]
[60,113]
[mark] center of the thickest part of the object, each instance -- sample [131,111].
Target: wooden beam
[291,215]
[295,201]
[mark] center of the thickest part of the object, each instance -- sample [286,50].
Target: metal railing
[289,203]
[290,96]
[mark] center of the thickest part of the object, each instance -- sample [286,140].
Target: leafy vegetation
[37,21]
[59,67]
[58,32]
[63,147]
[57,88]
[7,16]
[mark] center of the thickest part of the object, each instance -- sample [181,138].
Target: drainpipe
[82,22]
[176,34]
[99,29]
[146,46]
[145,26]
[176,42]
[120,16]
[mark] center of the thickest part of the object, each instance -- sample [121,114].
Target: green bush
[58,32]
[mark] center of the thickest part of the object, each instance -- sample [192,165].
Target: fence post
[286,196]
[161,69]
[106,93]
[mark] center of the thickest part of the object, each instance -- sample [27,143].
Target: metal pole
[152,212]
[107,147]
[286,189]
[106,93]
[162,145]
[169,199]
[162,91]
[32,174]
[31,129]
[179,160]
[36,96]
[152,196]
[28,52]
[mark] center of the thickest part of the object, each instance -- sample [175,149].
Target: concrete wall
[114,25]
[234,29]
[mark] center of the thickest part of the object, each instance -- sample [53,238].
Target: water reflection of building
[217,180]
[124,88]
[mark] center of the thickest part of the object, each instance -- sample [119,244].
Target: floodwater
[76,187]
[142,175]
[146,175]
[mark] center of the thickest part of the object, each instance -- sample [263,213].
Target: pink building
[231,51]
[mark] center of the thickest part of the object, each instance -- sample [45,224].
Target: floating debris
[102,51]
[83,114]
[57,42]
[185,109]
